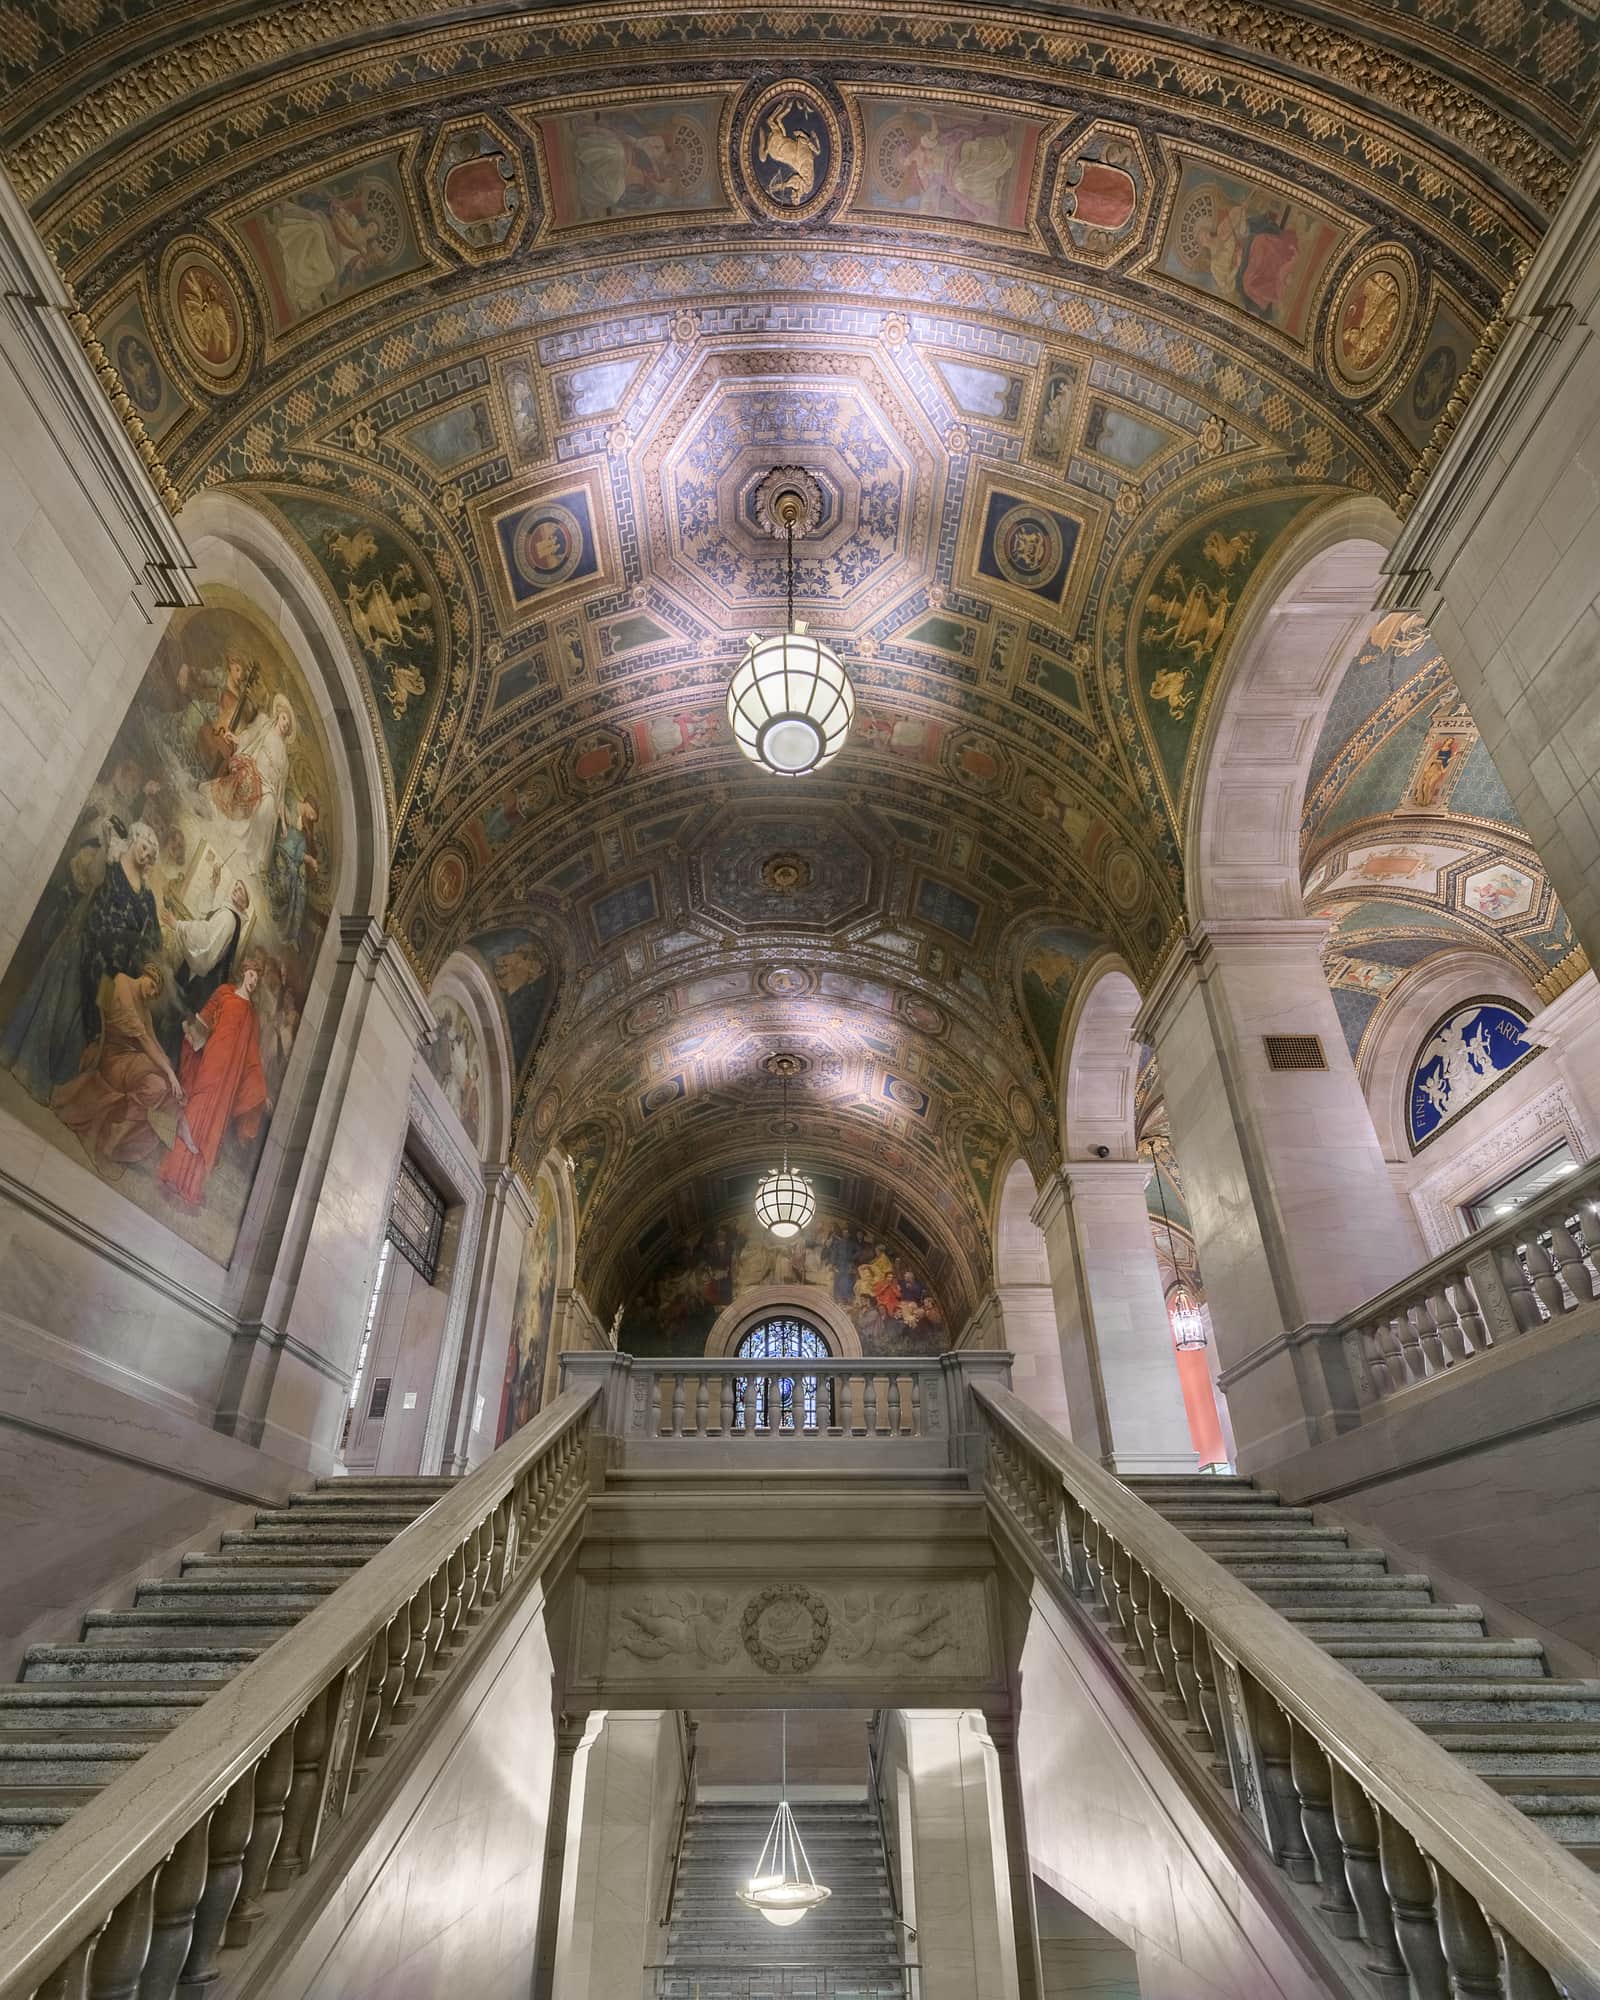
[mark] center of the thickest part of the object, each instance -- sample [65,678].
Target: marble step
[1571,1817]
[48,1708]
[1186,1483]
[1527,1757]
[1376,1621]
[244,1560]
[201,1626]
[1219,1532]
[194,1664]
[1367,1592]
[1316,1560]
[46,1763]
[1463,1702]
[24,1825]
[430,1489]
[355,1545]
[348,1518]
[1396,1659]
[1189,1514]
[296,1594]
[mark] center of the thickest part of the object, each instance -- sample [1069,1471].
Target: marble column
[472,1421]
[966,1935]
[333,1171]
[621,1815]
[1296,1218]
[1002,1731]
[1119,1367]
[1501,555]
[570,1736]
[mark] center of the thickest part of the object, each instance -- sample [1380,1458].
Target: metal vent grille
[379,1406]
[1294,1052]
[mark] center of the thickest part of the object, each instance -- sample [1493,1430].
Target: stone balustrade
[1536,1266]
[145,1887]
[1429,1882]
[867,1411]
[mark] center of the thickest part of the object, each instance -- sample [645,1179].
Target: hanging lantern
[783,1888]
[790,702]
[1188,1325]
[784,1201]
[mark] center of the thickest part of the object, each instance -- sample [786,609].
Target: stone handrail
[1504,1281]
[1448,1889]
[867,1397]
[145,1885]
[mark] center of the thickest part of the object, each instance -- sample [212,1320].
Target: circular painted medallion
[1369,325]
[206,314]
[1022,1112]
[790,151]
[1027,547]
[1124,879]
[548,545]
[784,982]
[447,880]
[544,1113]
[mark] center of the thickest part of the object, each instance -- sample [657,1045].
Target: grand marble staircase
[80,1714]
[718,1950]
[1491,1702]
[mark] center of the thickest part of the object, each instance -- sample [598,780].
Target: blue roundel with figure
[1465,1055]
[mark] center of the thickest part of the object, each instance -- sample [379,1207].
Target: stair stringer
[1123,1819]
[330,1931]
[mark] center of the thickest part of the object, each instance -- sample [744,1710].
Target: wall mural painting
[1190,600]
[643,159]
[126,337]
[532,1314]
[876,1283]
[525,980]
[1446,349]
[1466,1055]
[1051,962]
[332,239]
[148,1015]
[456,1061]
[587,1147]
[948,162]
[392,607]
[1250,245]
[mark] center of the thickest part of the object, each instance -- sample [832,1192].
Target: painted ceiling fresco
[501,314]
[1409,841]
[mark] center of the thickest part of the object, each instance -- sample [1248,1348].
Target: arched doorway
[786,1401]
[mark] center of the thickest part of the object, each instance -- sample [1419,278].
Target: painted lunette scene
[532,1313]
[149,1013]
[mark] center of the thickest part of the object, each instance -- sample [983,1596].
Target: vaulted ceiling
[502,313]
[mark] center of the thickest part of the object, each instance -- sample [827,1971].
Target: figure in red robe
[223,1084]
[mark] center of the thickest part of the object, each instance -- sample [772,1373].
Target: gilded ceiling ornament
[206,314]
[111,381]
[1372,319]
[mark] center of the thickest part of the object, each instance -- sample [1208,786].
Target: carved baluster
[1357,1826]
[1522,1977]
[725,1405]
[1404,1335]
[455,1603]
[1182,1631]
[1270,1728]
[1377,1361]
[702,1405]
[471,1584]
[894,1405]
[311,1735]
[872,1405]
[916,1406]
[438,1613]
[179,1886]
[225,1851]
[1313,1787]
[124,1945]
[273,1776]
[417,1647]
[1519,1293]
[1431,1325]
[676,1425]
[1447,1325]
[1121,1601]
[394,1675]
[1470,1953]
[1205,1670]
[1567,1255]
[1161,1643]
[1139,1614]
[1542,1270]
[1458,1290]
[70,1981]
[1416,1926]
[1074,1549]
[372,1700]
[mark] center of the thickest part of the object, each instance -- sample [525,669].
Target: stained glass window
[770,1399]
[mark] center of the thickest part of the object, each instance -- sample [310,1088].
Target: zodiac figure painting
[150,1013]
[791,149]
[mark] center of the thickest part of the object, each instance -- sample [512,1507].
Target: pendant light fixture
[784,1201]
[790,700]
[783,1888]
[1188,1328]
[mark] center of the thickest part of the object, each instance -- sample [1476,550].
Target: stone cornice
[93,422]
[380,960]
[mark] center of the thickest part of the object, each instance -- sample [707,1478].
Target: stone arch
[1019,1246]
[462,978]
[763,1301]
[1100,1065]
[1242,833]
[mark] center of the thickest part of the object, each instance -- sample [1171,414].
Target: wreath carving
[785,1628]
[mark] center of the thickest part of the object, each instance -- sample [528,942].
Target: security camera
[1101,1152]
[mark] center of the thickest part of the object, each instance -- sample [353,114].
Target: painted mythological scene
[148,1016]
[531,1315]
[877,1284]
